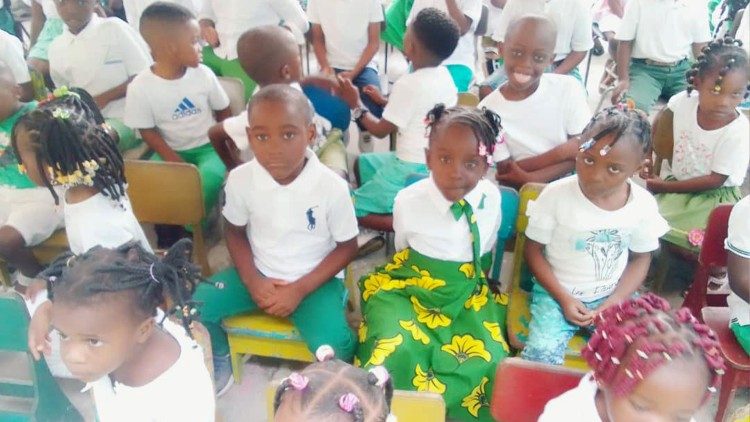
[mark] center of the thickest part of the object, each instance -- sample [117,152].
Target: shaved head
[265,50]
[537,27]
[283,93]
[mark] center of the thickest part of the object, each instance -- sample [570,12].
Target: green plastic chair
[36,396]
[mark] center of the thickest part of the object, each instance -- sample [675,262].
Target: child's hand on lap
[39,328]
[372,92]
[513,175]
[285,300]
[576,312]
[263,291]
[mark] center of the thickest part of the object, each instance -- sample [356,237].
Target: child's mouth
[521,77]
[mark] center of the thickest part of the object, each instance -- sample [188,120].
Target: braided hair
[635,338]
[621,121]
[724,54]
[484,123]
[73,145]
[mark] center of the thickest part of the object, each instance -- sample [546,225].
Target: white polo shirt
[134,9]
[738,243]
[664,30]
[106,53]
[345,24]
[49,8]
[182,109]
[11,53]
[233,17]
[293,227]
[573,21]
[422,220]
[513,10]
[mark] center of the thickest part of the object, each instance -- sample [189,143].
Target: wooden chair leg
[726,392]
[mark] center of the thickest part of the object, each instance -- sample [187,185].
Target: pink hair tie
[324,353]
[347,402]
[298,381]
[381,374]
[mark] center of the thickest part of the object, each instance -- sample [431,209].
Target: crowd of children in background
[293,202]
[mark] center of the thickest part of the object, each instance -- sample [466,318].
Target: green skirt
[435,328]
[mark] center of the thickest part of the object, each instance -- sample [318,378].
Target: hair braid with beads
[485,124]
[723,54]
[621,121]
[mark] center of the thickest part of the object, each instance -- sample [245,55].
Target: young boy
[173,102]
[346,37]
[542,112]
[100,55]
[738,260]
[654,39]
[290,229]
[11,53]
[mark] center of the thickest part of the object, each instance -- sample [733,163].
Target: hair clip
[151,273]
[615,360]
[60,113]
[628,338]
[381,374]
[712,389]
[324,353]
[347,402]
[298,381]
[642,354]
[629,374]
[667,356]
[587,145]
[605,150]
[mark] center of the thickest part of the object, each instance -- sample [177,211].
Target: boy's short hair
[262,51]
[283,93]
[436,31]
[163,13]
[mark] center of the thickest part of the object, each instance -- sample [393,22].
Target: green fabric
[229,68]
[461,75]
[436,326]
[395,23]
[463,208]
[128,138]
[52,29]
[712,5]
[382,175]
[742,333]
[319,318]
[648,83]
[7,23]
[332,152]
[9,174]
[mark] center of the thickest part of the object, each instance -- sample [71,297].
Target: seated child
[100,55]
[173,102]
[738,259]
[430,39]
[430,316]
[290,229]
[46,25]
[543,113]
[590,235]
[11,55]
[332,388]
[649,363]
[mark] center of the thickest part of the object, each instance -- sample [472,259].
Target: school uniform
[291,229]
[53,27]
[738,243]
[11,53]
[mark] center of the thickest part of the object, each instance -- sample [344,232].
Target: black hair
[162,11]
[436,31]
[71,141]
[283,93]
[723,54]
[620,121]
[83,279]
[485,123]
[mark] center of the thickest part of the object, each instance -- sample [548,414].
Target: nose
[73,354]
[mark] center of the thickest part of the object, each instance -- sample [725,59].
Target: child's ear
[145,329]
[428,158]
[312,133]
[285,72]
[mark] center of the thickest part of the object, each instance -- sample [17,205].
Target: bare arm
[631,279]
[373,44]
[238,244]
[739,275]
[378,127]
[37,21]
[624,51]
[223,114]
[696,184]
[570,62]
[561,153]
[616,7]
[27,92]
[156,142]
[319,47]
[463,21]
[113,94]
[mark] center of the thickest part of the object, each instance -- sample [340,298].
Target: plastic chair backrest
[523,388]
[663,139]
[467,99]
[713,252]
[333,108]
[509,211]
[235,89]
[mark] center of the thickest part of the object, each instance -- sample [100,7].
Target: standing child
[590,236]
[649,363]
[738,262]
[431,316]
[173,102]
[290,229]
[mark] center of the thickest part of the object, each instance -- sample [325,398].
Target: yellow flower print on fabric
[477,299]
[501,298]
[383,348]
[468,270]
[477,399]
[465,347]
[362,332]
[357,362]
[425,281]
[431,317]
[496,334]
[398,260]
[379,281]
[416,333]
[426,381]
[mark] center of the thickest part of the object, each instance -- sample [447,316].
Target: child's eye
[63,337]
[539,58]
[262,138]
[516,53]
[614,169]
[445,160]
[470,165]
[638,407]
[588,161]
[94,342]
[289,136]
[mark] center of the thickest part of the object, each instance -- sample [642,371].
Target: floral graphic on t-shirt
[605,247]
[691,157]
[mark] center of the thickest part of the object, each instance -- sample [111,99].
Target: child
[290,229]
[100,55]
[649,363]
[11,54]
[711,142]
[738,245]
[46,25]
[173,102]
[140,365]
[430,316]
[332,388]
[590,236]
[430,39]
[541,149]
[658,37]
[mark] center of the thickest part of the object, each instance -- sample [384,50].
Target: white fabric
[32,212]
[234,17]
[345,24]
[105,54]
[493,17]
[586,246]
[556,110]
[422,220]
[49,8]
[743,30]
[738,243]
[515,9]
[577,404]
[100,221]
[465,52]
[698,152]
[182,109]
[134,9]
[293,227]
[11,53]
[573,21]
[664,30]
[184,392]
[412,96]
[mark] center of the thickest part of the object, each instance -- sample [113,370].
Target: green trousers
[230,68]
[128,137]
[648,83]
[319,318]
[742,333]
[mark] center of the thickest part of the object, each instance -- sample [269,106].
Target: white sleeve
[472,9]
[542,215]
[582,39]
[340,216]
[376,11]
[54,57]
[399,108]
[134,57]
[629,23]
[399,225]
[578,113]
[653,226]
[312,12]
[138,112]
[701,31]
[234,209]
[217,97]
[13,58]
[738,239]
[731,154]
[292,14]
[207,11]
[235,129]
[675,100]
[501,152]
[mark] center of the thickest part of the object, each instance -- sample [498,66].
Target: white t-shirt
[698,152]
[412,96]
[49,8]
[293,227]
[105,54]
[184,392]
[586,246]
[664,30]
[11,53]
[134,9]
[422,220]
[233,17]
[738,243]
[544,120]
[465,52]
[515,9]
[573,21]
[182,109]
[100,221]
[345,24]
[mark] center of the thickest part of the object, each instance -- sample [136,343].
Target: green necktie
[458,209]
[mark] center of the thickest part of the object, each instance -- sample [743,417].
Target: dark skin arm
[570,62]
[319,47]
[224,146]
[223,114]
[37,21]
[696,184]
[113,94]
[373,44]
[632,278]
[561,153]
[463,21]
[624,51]
[738,269]
[514,176]
[261,288]
[152,137]
[377,127]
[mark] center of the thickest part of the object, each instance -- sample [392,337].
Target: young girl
[649,363]
[140,365]
[332,388]
[590,235]
[430,316]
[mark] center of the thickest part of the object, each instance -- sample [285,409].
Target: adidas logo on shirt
[186,108]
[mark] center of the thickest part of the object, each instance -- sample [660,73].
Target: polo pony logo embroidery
[310,218]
